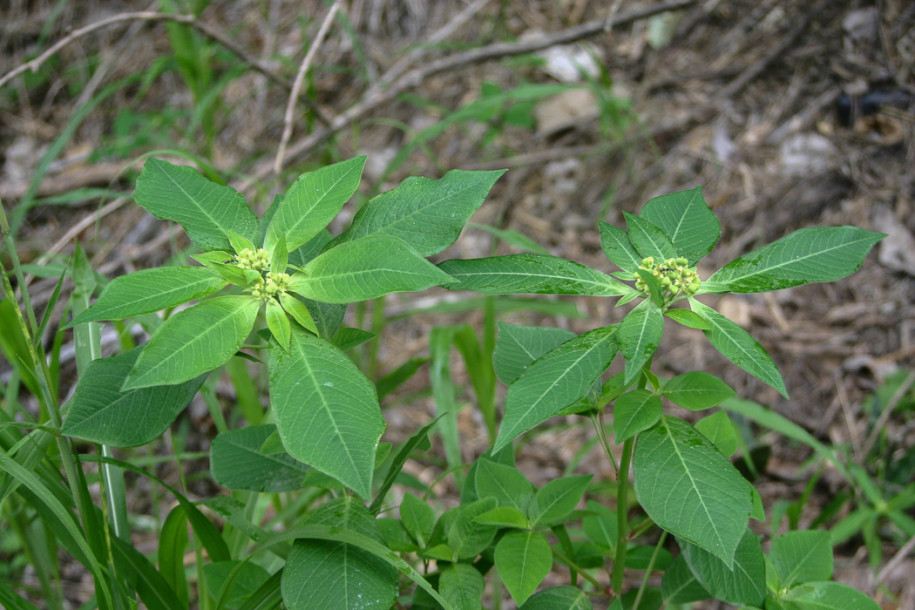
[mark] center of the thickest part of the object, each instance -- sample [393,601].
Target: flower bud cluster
[271,285]
[257,260]
[675,276]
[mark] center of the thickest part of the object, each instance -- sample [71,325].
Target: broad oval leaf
[639,336]
[418,518]
[680,585]
[517,347]
[688,488]
[558,498]
[649,240]
[462,585]
[827,596]
[150,290]
[738,346]
[555,381]
[366,269]
[100,412]
[743,582]
[327,574]
[312,201]
[530,274]
[564,597]
[696,390]
[523,559]
[194,341]
[327,412]
[428,214]
[814,254]
[634,412]
[718,428]
[802,556]
[504,483]
[617,247]
[687,220]
[206,210]
[238,462]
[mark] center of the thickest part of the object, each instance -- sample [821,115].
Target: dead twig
[297,85]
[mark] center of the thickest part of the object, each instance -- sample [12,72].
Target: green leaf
[557,499]
[688,318]
[312,201]
[465,535]
[828,596]
[601,527]
[635,412]
[688,488]
[504,483]
[366,269]
[744,582]
[278,323]
[556,380]
[173,540]
[529,274]
[327,413]
[100,412]
[523,560]
[240,243]
[427,214]
[814,254]
[617,247]
[462,585]
[517,347]
[739,347]
[639,336]
[299,312]
[505,516]
[559,598]
[802,556]
[679,585]
[696,390]
[326,574]
[718,428]
[649,240]
[418,518]
[233,582]
[238,462]
[150,290]
[194,341]
[687,221]
[206,210]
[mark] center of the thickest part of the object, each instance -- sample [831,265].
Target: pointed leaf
[239,463]
[418,518]
[559,598]
[601,527]
[648,239]
[639,336]
[558,498]
[278,323]
[743,582]
[634,412]
[530,274]
[505,516]
[100,412]
[504,483]
[462,585]
[327,413]
[427,214]
[465,535]
[696,390]
[828,596]
[194,341]
[718,428]
[617,247]
[312,201]
[150,290]
[687,220]
[739,347]
[206,210]
[802,556]
[298,311]
[523,559]
[814,254]
[680,585]
[327,574]
[517,347]
[688,318]
[366,269]
[561,377]
[688,488]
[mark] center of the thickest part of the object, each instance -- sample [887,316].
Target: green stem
[649,569]
[622,506]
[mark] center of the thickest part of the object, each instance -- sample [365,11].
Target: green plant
[309,477]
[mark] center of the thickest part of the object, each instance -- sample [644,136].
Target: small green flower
[258,260]
[675,275]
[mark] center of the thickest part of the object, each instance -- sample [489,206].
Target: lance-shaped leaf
[206,210]
[327,413]
[194,341]
[639,335]
[562,376]
[366,269]
[427,214]
[696,390]
[634,412]
[519,346]
[740,582]
[150,290]
[688,488]
[312,201]
[100,412]
[617,247]
[687,220]
[531,274]
[738,346]
[815,254]
[649,240]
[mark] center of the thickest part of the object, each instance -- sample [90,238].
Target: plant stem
[622,506]
[649,569]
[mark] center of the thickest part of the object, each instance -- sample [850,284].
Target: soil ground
[789,113]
